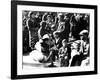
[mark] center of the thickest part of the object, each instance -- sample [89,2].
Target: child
[57,38]
[64,53]
[80,54]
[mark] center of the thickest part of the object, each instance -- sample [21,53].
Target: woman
[33,27]
[42,30]
[41,51]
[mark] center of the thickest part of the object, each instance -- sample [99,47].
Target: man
[77,25]
[63,26]
[53,56]
[50,23]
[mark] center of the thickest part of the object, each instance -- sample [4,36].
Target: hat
[40,40]
[84,32]
[46,36]
[60,14]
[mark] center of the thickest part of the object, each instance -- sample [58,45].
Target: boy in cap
[64,53]
[82,49]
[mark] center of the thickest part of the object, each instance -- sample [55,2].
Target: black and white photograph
[55,39]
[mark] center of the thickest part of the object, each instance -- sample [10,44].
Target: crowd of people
[56,36]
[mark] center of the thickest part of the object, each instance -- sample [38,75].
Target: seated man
[54,49]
